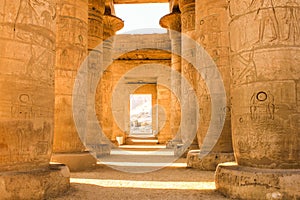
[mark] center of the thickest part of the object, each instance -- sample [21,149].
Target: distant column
[27,60]
[111,25]
[264,40]
[212,19]
[172,22]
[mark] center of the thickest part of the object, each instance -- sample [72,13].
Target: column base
[172,144]
[75,161]
[36,184]
[179,150]
[253,183]
[209,162]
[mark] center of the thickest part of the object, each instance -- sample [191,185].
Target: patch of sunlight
[145,153]
[142,164]
[142,146]
[147,184]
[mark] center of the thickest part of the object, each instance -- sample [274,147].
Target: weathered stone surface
[265,101]
[71,50]
[188,71]
[209,162]
[76,161]
[36,184]
[249,183]
[27,61]
[265,77]
[212,21]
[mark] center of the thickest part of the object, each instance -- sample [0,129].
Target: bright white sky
[141,16]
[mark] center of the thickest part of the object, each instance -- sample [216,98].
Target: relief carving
[23,107]
[262,107]
[41,64]
[266,16]
[36,12]
[188,21]
[292,21]
[245,69]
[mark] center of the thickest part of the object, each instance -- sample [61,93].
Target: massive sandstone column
[27,60]
[212,19]
[188,49]
[95,51]
[172,22]
[71,42]
[265,101]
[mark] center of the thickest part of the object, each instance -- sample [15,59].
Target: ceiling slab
[139,1]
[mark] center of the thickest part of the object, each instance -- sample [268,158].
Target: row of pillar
[91,33]
[184,14]
[254,45]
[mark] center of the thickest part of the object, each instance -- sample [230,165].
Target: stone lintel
[249,183]
[76,161]
[36,184]
[208,162]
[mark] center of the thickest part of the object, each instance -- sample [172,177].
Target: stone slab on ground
[253,183]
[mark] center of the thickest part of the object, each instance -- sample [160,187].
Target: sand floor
[168,183]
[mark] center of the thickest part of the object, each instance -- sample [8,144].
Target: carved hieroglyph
[265,82]
[27,61]
[71,50]
[213,35]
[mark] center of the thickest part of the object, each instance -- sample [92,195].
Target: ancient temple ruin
[223,86]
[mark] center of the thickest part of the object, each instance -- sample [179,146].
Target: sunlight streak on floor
[149,153]
[142,164]
[147,184]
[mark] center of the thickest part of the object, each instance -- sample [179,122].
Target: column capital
[171,21]
[111,24]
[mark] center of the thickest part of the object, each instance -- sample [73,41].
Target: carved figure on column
[291,20]
[267,16]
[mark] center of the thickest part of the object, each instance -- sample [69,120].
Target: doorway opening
[141,114]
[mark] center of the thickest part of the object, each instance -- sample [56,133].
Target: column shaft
[27,60]
[264,40]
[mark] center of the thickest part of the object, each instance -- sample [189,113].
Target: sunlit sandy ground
[175,182]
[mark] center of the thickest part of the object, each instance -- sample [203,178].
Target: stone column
[188,49]
[111,25]
[27,60]
[172,22]
[264,40]
[95,51]
[212,19]
[71,42]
